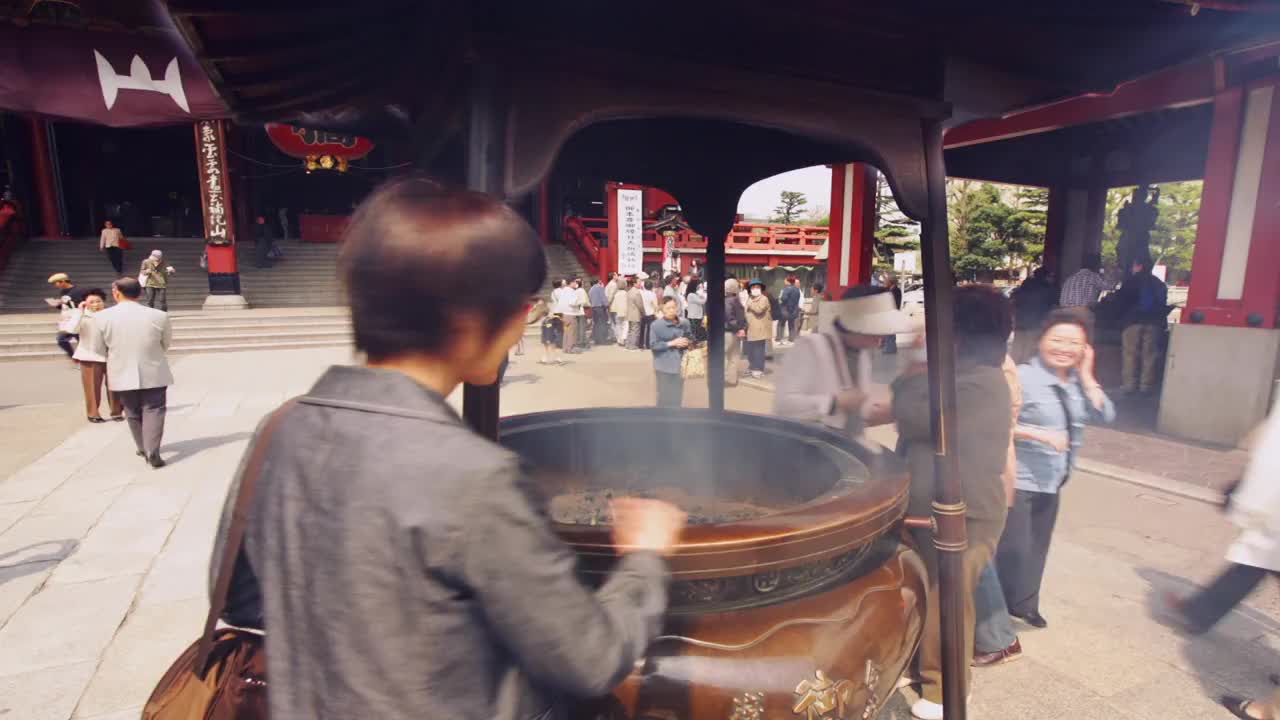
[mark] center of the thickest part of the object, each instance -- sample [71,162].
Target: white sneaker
[757,374]
[924,710]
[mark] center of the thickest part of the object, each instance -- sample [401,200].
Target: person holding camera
[670,337]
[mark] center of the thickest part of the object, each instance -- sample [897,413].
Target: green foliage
[790,206]
[894,232]
[992,230]
[1173,239]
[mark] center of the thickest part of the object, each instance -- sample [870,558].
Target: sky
[760,199]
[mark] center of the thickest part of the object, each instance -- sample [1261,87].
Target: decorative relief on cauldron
[700,591]
[823,698]
[766,582]
[748,706]
[871,681]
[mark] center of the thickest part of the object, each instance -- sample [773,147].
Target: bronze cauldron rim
[826,527]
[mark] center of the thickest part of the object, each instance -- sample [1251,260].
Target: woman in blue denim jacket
[1060,395]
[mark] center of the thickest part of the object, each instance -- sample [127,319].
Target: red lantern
[319,150]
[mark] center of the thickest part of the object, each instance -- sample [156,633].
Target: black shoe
[1034,619]
[117,418]
[155,460]
[141,454]
[97,419]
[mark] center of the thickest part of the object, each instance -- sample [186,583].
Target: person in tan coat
[759,326]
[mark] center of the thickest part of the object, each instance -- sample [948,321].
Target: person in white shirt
[134,338]
[573,313]
[93,366]
[650,301]
[110,242]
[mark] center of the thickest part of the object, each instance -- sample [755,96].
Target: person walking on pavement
[826,379]
[1085,285]
[111,241]
[600,325]
[1145,299]
[650,301]
[696,308]
[1060,395]
[635,313]
[262,242]
[672,335]
[735,332]
[789,302]
[982,325]
[67,299]
[618,310]
[93,366]
[134,339]
[611,291]
[155,272]
[1032,302]
[759,326]
[995,641]
[584,307]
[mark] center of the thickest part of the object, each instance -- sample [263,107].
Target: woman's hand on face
[1085,366]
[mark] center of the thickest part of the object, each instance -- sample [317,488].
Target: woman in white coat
[1255,507]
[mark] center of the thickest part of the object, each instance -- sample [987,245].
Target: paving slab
[44,694]
[104,563]
[65,624]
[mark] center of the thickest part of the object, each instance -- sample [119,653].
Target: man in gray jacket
[402,565]
[134,339]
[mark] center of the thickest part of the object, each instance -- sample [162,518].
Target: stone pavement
[103,561]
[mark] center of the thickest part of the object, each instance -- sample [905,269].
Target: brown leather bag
[223,674]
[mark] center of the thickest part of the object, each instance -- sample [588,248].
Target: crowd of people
[1026,406]
[120,352]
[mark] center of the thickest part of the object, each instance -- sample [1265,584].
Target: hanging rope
[259,162]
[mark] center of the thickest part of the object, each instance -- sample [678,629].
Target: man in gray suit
[134,338]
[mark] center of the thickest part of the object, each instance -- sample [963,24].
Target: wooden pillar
[1055,229]
[544,211]
[46,184]
[486,158]
[853,222]
[1233,281]
[219,222]
[714,273]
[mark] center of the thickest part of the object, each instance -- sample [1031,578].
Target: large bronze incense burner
[791,592]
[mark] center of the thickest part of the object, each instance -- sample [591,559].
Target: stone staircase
[31,337]
[296,303]
[306,277]
[561,263]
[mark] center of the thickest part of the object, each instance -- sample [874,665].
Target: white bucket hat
[872,315]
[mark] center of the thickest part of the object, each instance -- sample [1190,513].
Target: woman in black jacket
[735,329]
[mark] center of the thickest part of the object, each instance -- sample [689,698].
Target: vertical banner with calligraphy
[215,190]
[630,231]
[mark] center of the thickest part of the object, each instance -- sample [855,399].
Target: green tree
[990,233]
[894,231]
[790,206]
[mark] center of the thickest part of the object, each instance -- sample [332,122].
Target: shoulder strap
[235,533]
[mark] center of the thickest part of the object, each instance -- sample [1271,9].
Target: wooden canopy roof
[691,94]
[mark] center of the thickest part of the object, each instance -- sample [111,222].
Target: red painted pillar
[46,186]
[219,224]
[1234,280]
[853,221]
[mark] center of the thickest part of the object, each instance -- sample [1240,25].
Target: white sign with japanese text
[630,231]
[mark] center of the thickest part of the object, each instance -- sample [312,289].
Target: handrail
[743,237]
[580,239]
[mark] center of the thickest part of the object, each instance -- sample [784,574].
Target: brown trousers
[570,332]
[93,376]
[983,537]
